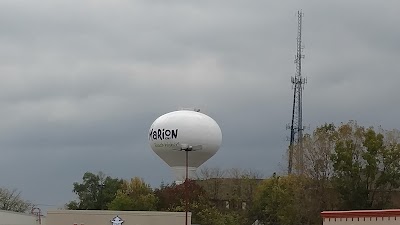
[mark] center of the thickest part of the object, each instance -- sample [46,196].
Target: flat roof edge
[361,213]
[114,213]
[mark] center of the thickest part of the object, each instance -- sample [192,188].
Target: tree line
[344,167]
[98,191]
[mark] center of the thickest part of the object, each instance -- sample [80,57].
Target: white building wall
[104,217]
[14,218]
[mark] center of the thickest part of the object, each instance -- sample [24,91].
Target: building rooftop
[361,213]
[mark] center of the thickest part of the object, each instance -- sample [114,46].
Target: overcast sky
[82,81]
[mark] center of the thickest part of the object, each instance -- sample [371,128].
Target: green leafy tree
[134,195]
[205,213]
[366,167]
[283,200]
[95,192]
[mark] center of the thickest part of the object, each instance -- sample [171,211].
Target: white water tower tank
[179,129]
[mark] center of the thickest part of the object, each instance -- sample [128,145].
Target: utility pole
[101,186]
[187,149]
[186,186]
[296,127]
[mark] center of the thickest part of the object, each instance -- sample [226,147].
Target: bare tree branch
[11,200]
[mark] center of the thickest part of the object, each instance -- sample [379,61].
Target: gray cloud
[81,82]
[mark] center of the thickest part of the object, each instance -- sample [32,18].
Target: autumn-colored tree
[172,196]
[351,167]
[318,169]
[348,167]
[214,176]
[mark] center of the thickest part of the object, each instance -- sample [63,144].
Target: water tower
[174,134]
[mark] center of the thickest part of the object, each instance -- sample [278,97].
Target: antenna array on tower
[296,154]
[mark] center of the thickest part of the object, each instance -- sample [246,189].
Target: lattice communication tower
[296,127]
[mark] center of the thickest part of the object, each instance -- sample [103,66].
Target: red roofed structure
[367,217]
